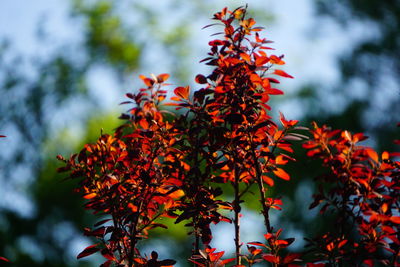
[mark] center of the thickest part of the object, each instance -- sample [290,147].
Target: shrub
[158,164]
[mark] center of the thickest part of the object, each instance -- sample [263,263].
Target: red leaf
[291,257]
[287,123]
[88,251]
[395,219]
[268,180]
[270,258]
[282,174]
[276,60]
[201,79]
[2,136]
[274,91]
[147,81]
[227,261]
[369,262]
[182,92]
[90,196]
[282,73]
[261,61]
[162,77]
[107,254]
[4,259]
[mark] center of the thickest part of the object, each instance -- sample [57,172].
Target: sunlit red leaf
[269,181]
[147,81]
[287,123]
[182,92]
[274,91]
[253,250]
[276,60]
[342,243]
[261,61]
[385,155]
[177,194]
[132,207]
[282,174]
[162,77]
[395,219]
[282,73]
[90,196]
[227,261]
[270,258]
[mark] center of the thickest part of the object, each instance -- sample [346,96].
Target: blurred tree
[38,213]
[371,69]
[366,97]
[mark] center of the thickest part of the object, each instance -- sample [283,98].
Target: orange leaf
[246,57]
[177,194]
[385,155]
[147,81]
[229,260]
[372,154]
[133,207]
[395,219]
[276,60]
[282,174]
[268,180]
[90,196]
[282,73]
[162,77]
[182,92]
[384,207]
[261,61]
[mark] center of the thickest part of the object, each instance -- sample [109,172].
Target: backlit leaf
[182,92]
[282,174]
[162,77]
[282,73]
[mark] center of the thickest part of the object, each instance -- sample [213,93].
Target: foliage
[160,165]
[358,65]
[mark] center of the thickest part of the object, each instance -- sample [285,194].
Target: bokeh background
[65,65]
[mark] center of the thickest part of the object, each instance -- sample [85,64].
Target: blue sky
[310,44]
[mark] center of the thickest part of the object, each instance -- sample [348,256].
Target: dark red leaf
[88,251]
[201,79]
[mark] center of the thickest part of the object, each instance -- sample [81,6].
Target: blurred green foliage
[373,63]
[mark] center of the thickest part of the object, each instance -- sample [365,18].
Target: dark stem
[237,217]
